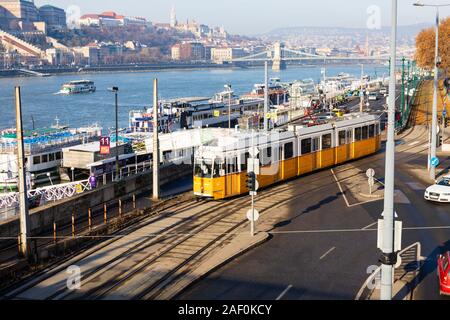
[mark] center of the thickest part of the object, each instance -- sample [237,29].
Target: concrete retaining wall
[42,218]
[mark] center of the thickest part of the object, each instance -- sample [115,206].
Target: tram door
[350,153]
[279,164]
[231,170]
[315,149]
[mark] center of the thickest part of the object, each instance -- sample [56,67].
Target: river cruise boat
[194,112]
[278,92]
[80,86]
[43,153]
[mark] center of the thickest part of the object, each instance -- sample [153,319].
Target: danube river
[40,101]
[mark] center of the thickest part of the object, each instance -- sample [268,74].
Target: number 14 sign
[105,145]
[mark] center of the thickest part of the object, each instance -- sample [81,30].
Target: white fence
[9,202]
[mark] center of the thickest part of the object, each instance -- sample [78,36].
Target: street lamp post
[228,86]
[115,90]
[388,258]
[361,94]
[402,96]
[434,120]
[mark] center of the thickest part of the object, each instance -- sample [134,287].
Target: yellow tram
[220,167]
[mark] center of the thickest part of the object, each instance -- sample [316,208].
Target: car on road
[383,91]
[373,96]
[440,192]
[444,273]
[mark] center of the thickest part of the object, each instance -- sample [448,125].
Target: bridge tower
[278,57]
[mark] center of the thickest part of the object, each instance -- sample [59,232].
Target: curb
[371,196]
[210,265]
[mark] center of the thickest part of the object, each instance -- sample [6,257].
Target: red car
[444,273]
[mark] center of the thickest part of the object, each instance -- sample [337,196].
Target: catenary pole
[155,141]
[434,121]
[266,96]
[23,197]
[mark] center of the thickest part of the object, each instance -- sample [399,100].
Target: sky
[253,17]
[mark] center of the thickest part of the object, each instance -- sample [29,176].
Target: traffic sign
[253,215]
[444,113]
[105,146]
[79,188]
[370,173]
[435,162]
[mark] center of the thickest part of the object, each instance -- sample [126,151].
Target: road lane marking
[365,202]
[327,253]
[284,293]
[340,188]
[370,225]
[414,143]
[400,197]
[356,230]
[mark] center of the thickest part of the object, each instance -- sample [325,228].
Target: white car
[373,96]
[440,192]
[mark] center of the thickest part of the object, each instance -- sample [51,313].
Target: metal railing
[405,268]
[411,260]
[9,202]
[402,124]
[369,286]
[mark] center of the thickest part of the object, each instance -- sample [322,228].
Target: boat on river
[79,86]
[43,153]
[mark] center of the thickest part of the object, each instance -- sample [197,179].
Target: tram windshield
[203,168]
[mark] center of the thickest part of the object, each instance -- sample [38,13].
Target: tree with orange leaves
[425,44]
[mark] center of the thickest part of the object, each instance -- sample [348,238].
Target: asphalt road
[333,265]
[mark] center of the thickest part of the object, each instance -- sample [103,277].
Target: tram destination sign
[105,146]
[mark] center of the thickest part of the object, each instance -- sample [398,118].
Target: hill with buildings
[362,40]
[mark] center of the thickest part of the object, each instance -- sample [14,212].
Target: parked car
[439,192]
[383,91]
[373,96]
[444,273]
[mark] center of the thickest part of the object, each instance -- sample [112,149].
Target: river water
[135,92]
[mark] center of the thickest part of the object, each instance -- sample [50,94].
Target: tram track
[59,265]
[191,234]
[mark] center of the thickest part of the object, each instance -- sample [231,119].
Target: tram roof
[348,120]
[228,140]
[185,139]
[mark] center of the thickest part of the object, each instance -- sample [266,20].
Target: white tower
[173,17]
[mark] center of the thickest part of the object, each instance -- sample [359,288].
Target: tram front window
[203,169]
[219,168]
